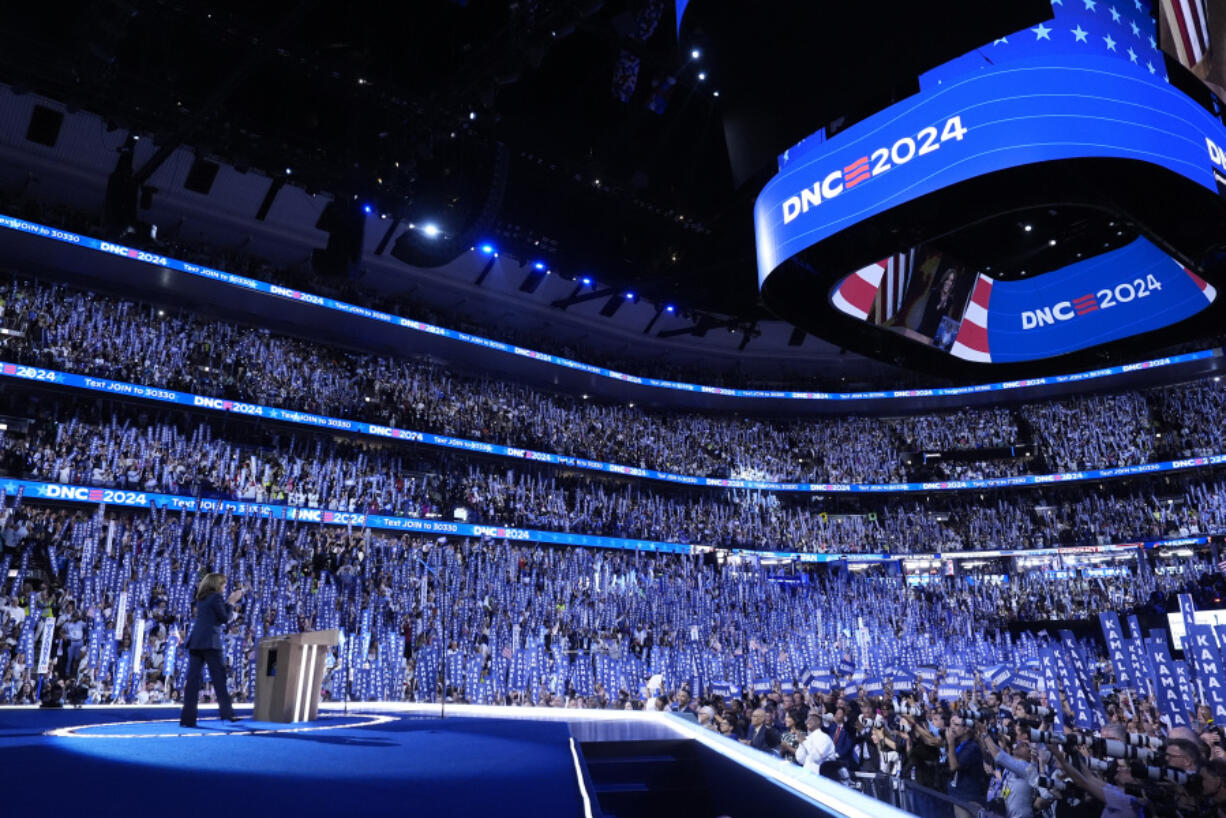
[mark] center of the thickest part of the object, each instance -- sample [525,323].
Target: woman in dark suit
[204,644]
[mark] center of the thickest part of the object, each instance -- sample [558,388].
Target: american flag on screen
[893,285]
[1123,30]
[1185,31]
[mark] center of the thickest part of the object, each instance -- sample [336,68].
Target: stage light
[487,249]
[1027,228]
[538,265]
[1051,242]
[472,115]
[715,94]
[587,282]
[629,294]
[702,75]
[670,309]
[695,54]
[367,209]
[431,231]
[289,172]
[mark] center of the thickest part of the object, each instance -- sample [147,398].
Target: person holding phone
[204,645]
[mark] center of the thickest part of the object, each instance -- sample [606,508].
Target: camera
[1042,736]
[1033,709]
[978,715]
[1142,740]
[1143,772]
[1098,765]
[1118,749]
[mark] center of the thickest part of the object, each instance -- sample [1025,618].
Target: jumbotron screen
[1085,92]
[933,298]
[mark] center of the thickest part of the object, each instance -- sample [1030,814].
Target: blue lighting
[670,309]
[587,282]
[538,265]
[487,249]
[367,209]
[431,231]
[629,294]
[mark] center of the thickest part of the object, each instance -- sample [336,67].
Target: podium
[289,674]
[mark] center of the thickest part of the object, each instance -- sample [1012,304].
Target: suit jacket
[211,613]
[844,743]
[764,738]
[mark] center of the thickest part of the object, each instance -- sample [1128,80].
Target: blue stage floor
[139,759]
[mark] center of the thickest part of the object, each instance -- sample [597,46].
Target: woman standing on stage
[204,643]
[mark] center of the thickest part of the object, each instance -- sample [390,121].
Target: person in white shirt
[817,748]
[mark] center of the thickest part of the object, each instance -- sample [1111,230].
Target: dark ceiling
[618,161]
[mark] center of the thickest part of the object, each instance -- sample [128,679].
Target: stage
[380,758]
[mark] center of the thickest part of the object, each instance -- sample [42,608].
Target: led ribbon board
[69,493]
[1087,85]
[73,380]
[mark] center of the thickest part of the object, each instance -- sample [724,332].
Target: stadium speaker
[44,127]
[201,175]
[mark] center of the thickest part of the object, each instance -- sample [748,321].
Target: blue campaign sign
[1087,84]
[1132,290]
[61,492]
[123,388]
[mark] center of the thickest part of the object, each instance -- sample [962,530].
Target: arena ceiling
[605,145]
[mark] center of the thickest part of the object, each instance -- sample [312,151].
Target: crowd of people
[106,444]
[854,674]
[736,644]
[91,334]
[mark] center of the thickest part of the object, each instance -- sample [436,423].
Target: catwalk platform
[384,758]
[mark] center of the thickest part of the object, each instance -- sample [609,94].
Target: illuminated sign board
[1132,290]
[1087,85]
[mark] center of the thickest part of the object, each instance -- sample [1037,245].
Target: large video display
[1132,290]
[1088,84]
[934,299]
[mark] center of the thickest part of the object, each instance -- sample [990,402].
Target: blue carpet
[410,765]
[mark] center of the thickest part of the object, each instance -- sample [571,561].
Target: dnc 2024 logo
[872,165]
[1092,302]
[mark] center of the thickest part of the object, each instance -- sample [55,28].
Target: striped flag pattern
[893,287]
[972,341]
[856,294]
[1185,31]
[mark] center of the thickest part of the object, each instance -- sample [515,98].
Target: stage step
[646,779]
